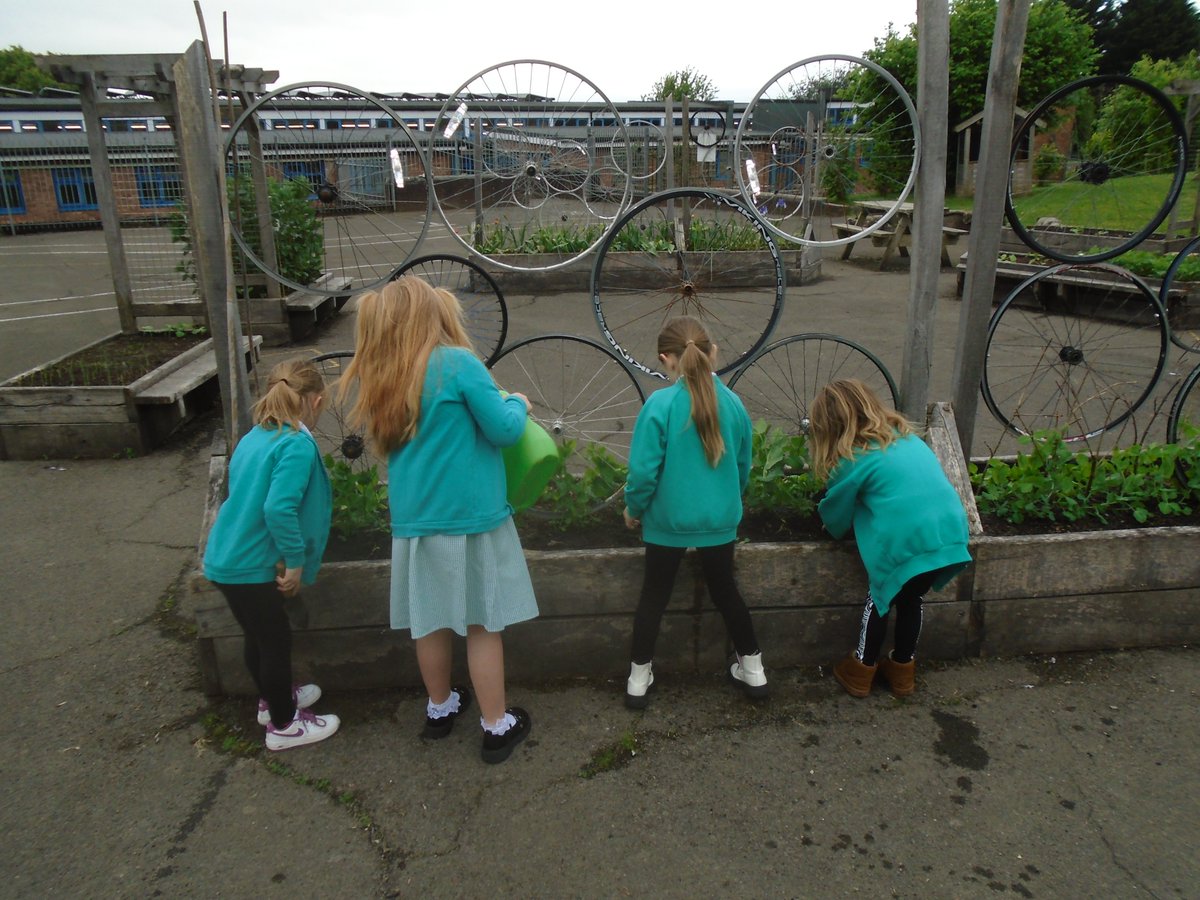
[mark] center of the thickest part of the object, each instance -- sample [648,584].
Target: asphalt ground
[1065,776]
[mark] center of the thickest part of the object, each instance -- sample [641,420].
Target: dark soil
[609,531]
[122,359]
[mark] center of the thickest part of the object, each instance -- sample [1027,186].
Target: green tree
[18,69]
[1158,29]
[686,82]
[1058,49]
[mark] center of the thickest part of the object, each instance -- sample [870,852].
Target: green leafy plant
[573,497]
[1048,163]
[780,480]
[1050,482]
[359,499]
[299,237]
[178,329]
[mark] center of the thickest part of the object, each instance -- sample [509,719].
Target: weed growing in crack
[614,756]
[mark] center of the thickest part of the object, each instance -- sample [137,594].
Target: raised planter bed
[1183,302]
[78,422]
[1049,593]
[1082,240]
[801,266]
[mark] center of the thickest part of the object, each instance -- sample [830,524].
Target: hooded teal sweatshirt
[681,499]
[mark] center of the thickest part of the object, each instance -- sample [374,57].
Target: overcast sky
[622,46]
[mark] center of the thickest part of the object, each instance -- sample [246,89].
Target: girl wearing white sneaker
[689,464]
[432,407]
[268,539]
[885,483]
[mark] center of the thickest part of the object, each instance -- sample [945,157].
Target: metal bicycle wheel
[335,435]
[1116,173]
[778,384]
[1075,349]
[355,163]
[706,127]
[857,132]
[687,251]
[645,153]
[514,154]
[1183,424]
[1184,322]
[482,302]
[586,398]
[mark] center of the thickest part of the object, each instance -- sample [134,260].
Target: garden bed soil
[608,531]
[119,360]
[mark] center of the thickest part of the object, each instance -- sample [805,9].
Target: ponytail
[289,384]
[685,338]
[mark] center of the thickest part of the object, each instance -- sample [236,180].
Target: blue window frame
[74,189]
[158,185]
[12,198]
[311,169]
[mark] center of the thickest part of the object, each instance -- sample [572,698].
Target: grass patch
[612,756]
[1124,204]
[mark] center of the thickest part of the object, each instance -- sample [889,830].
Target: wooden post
[204,183]
[106,199]
[933,93]
[991,180]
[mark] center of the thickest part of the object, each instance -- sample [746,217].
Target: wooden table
[896,234]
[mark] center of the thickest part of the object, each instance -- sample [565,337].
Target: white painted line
[78,312]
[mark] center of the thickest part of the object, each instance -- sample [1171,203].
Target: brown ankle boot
[901,677]
[854,676]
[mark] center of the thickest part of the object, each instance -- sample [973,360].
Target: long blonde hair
[398,327]
[290,383]
[846,417]
[685,338]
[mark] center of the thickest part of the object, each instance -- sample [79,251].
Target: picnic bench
[896,236]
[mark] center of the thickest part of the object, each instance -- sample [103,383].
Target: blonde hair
[289,383]
[847,417]
[685,338]
[398,327]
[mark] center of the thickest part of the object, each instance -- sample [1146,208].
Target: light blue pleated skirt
[456,580]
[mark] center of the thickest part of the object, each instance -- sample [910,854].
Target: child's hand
[289,581]
[630,522]
[528,405]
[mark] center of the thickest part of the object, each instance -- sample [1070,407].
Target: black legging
[258,608]
[662,563]
[907,604]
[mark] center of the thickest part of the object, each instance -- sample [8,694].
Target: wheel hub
[1094,172]
[1072,356]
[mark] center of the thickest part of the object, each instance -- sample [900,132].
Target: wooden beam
[991,187]
[106,200]
[933,91]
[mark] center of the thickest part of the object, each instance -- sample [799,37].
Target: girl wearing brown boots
[885,483]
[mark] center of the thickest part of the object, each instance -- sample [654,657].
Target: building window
[312,170]
[12,198]
[158,185]
[74,189]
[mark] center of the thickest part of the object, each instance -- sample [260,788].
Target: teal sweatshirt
[449,479]
[682,500]
[907,517]
[278,510]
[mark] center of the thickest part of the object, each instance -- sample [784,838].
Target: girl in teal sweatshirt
[689,464]
[268,539]
[888,486]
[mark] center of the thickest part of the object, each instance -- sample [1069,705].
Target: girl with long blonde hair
[885,483]
[268,539]
[432,408]
[689,464]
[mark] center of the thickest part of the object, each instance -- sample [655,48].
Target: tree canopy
[18,69]
[1058,49]
[1157,29]
[686,82]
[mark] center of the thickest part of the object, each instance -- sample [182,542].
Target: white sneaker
[305,696]
[641,678]
[306,728]
[747,673]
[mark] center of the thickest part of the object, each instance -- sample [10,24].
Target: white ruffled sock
[500,726]
[446,708]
